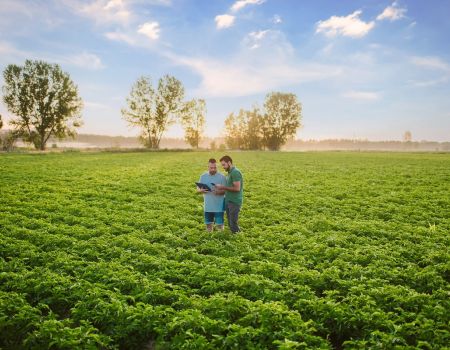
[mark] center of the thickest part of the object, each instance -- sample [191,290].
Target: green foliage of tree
[281,120]
[234,130]
[253,137]
[153,111]
[193,121]
[271,128]
[243,131]
[44,100]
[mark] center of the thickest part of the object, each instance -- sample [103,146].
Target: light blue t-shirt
[213,203]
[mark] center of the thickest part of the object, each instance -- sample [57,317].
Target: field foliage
[338,250]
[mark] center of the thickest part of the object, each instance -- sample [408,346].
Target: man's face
[212,168]
[226,165]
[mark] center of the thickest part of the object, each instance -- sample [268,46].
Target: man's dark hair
[226,159]
[212,160]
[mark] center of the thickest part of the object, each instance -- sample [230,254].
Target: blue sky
[362,69]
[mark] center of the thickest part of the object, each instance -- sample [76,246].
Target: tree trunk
[42,143]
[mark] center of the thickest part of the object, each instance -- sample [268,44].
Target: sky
[368,69]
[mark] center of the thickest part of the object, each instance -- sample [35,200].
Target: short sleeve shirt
[234,197]
[213,203]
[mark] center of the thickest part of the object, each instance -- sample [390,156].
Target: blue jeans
[232,210]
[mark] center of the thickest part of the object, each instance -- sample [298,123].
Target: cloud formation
[392,13]
[351,26]
[86,60]
[240,4]
[265,61]
[103,11]
[224,21]
[431,62]
[276,19]
[150,30]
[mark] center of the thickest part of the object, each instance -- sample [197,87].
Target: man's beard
[213,172]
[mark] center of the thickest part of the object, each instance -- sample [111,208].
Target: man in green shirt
[234,189]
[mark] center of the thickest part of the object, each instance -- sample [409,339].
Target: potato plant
[338,251]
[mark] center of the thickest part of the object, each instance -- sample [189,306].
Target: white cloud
[431,62]
[351,26]
[150,29]
[103,11]
[392,13]
[428,83]
[268,43]
[86,60]
[271,65]
[362,95]
[224,21]
[240,79]
[121,36]
[276,19]
[254,38]
[240,4]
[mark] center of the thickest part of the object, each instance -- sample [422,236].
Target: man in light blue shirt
[214,205]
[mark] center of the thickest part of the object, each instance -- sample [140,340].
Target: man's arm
[235,188]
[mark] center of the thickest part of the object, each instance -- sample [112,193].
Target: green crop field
[338,251]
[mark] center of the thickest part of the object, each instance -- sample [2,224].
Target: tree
[281,119]
[407,136]
[153,111]
[193,121]
[234,130]
[44,99]
[253,137]
[7,138]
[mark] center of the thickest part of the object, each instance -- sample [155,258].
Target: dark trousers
[232,210]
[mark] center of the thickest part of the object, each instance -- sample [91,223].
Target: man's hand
[202,190]
[218,192]
[235,188]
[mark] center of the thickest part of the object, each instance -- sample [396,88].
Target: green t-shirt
[234,197]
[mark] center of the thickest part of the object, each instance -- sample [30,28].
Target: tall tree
[153,111]
[281,120]
[252,137]
[193,121]
[235,130]
[244,130]
[44,100]
[1,122]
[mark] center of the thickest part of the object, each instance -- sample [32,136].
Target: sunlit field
[337,250]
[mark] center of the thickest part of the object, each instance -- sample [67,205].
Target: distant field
[338,250]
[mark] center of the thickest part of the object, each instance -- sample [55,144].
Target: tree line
[45,103]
